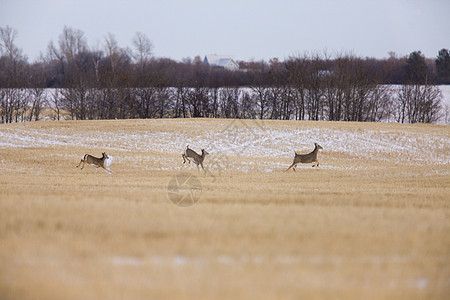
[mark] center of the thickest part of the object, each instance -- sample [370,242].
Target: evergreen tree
[443,67]
[415,71]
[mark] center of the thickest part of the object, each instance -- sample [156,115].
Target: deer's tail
[85,156]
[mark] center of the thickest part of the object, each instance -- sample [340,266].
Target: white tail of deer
[198,159]
[96,162]
[306,158]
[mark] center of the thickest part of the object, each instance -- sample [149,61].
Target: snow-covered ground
[245,144]
[445,90]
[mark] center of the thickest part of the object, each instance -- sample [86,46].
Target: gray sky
[246,29]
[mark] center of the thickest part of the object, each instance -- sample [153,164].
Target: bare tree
[8,98]
[288,103]
[143,48]
[13,71]
[229,104]
[419,103]
[37,89]
[112,51]
[315,88]
[379,107]
[21,103]
[431,104]
[182,93]
[37,98]
[72,42]
[8,47]
[145,98]
[262,97]
[55,102]
[248,110]
[296,71]
[197,97]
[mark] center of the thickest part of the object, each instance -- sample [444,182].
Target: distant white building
[221,61]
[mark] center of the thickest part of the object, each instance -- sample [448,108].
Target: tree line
[110,82]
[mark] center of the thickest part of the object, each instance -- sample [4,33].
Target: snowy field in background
[445,90]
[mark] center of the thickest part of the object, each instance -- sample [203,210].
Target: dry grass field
[372,222]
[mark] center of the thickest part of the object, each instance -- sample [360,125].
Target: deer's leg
[202,167]
[109,171]
[290,167]
[81,162]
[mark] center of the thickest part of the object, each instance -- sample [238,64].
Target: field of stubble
[372,222]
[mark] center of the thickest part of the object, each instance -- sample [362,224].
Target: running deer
[306,158]
[96,162]
[198,159]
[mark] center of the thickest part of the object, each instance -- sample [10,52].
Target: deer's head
[318,146]
[105,155]
[204,153]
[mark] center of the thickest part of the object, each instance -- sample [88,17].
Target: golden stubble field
[372,222]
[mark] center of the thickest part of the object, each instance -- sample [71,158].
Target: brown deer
[198,159]
[306,158]
[96,162]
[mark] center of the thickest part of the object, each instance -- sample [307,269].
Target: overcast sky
[246,29]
